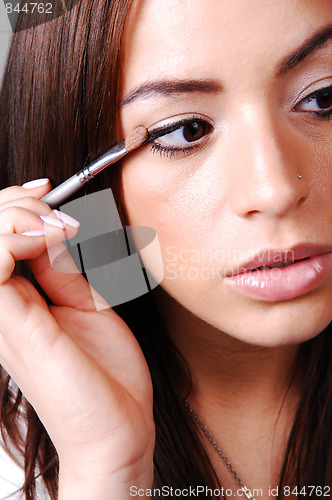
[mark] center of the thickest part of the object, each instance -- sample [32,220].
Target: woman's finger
[18,220]
[58,275]
[34,234]
[37,189]
[29,203]
[26,235]
[17,247]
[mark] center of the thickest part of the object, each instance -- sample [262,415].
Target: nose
[268,174]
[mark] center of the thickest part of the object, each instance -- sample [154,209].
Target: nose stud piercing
[299,176]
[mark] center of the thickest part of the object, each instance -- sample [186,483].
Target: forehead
[184,38]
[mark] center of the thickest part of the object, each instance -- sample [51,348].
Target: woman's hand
[82,370]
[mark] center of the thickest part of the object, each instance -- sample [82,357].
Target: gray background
[5,32]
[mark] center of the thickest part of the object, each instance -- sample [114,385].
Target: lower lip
[283,283]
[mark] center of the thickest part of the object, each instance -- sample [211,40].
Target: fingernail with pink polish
[35,183]
[67,219]
[53,221]
[34,233]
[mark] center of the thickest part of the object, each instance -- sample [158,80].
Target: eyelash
[170,151]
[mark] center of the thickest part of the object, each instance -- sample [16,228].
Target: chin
[252,322]
[281,332]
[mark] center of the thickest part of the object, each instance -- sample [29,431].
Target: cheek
[183,202]
[320,171]
[179,199]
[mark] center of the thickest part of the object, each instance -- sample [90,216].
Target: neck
[228,374]
[246,395]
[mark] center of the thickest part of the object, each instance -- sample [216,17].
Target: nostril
[253,212]
[301,200]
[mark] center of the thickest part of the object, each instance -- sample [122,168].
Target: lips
[277,275]
[273,258]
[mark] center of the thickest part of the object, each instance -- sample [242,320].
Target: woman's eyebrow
[173,87]
[315,42]
[169,87]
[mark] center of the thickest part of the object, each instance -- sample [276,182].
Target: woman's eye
[190,132]
[180,136]
[319,102]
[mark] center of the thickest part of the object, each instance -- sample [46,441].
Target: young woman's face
[243,176]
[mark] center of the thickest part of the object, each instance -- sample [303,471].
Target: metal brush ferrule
[84,176]
[69,187]
[111,156]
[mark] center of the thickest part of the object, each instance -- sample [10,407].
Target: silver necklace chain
[216,446]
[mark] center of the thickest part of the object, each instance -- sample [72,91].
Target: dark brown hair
[58,110]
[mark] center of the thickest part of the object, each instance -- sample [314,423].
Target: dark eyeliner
[168,129]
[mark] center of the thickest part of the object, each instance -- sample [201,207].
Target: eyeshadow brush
[61,193]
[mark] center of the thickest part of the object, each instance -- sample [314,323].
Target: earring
[299,176]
